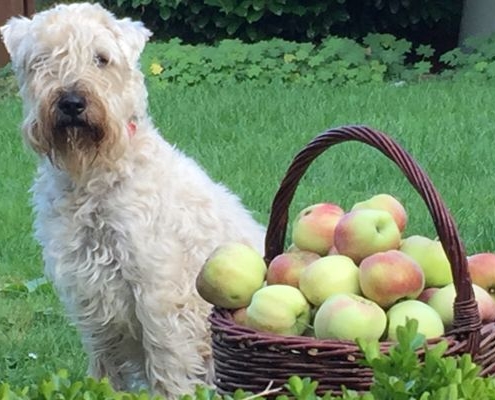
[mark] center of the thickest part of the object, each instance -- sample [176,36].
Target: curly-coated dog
[125,220]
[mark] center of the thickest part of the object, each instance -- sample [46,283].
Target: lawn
[245,137]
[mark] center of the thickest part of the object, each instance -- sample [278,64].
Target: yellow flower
[156,69]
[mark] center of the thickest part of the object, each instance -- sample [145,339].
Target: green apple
[386,277]
[286,268]
[361,233]
[347,316]
[481,268]
[429,322]
[329,275]
[430,256]
[280,309]
[230,275]
[443,302]
[314,226]
[385,202]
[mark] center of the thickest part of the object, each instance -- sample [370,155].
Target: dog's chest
[88,253]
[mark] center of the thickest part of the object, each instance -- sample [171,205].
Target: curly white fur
[125,220]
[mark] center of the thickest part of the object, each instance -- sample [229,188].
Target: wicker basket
[252,360]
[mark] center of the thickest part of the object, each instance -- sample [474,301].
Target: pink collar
[131,128]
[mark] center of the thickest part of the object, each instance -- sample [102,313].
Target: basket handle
[467,323]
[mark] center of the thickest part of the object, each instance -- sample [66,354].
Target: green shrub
[254,20]
[337,61]
[476,60]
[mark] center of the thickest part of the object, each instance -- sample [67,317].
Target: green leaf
[295,385]
[425,50]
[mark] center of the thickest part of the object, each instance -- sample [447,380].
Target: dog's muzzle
[70,109]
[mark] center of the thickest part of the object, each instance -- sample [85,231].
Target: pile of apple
[346,275]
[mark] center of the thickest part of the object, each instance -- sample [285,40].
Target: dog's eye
[101,60]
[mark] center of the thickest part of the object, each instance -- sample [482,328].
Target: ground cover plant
[245,136]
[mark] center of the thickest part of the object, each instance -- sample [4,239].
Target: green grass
[246,138]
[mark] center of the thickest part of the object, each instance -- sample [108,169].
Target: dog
[124,219]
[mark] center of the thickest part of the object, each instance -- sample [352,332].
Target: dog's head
[78,73]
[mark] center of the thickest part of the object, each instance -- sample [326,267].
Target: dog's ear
[134,37]
[13,33]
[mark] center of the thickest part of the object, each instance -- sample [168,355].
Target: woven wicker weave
[251,360]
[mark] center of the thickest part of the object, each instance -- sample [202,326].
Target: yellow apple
[280,309]
[230,276]
[430,256]
[443,302]
[429,322]
[329,275]
[348,317]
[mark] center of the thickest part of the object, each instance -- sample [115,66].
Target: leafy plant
[401,374]
[474,60]
[337,61]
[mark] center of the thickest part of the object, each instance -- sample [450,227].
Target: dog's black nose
[71,104]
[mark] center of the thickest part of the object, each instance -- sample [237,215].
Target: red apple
[388,203]
[240,316]
[313,228]
[389,276]
[361,233]
[481,268]
[286,267]
[426,294]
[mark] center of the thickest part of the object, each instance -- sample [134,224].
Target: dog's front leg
[118,356]
[176,341]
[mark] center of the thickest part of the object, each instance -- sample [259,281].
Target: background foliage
[335,61]
[434,22]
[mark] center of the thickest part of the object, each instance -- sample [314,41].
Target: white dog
[125,220]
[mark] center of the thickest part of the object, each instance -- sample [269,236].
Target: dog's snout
[71,104]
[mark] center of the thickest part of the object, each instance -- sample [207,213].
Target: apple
[314,226]
[443,302]
[230,275]
[426,294]
[287,267]
[361,233]
[386,277]
[385,202]
[430,255]
[280,309]
[429,322]
[329,275]
[332,251]
[346,316]
[240,316]
[481,268]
